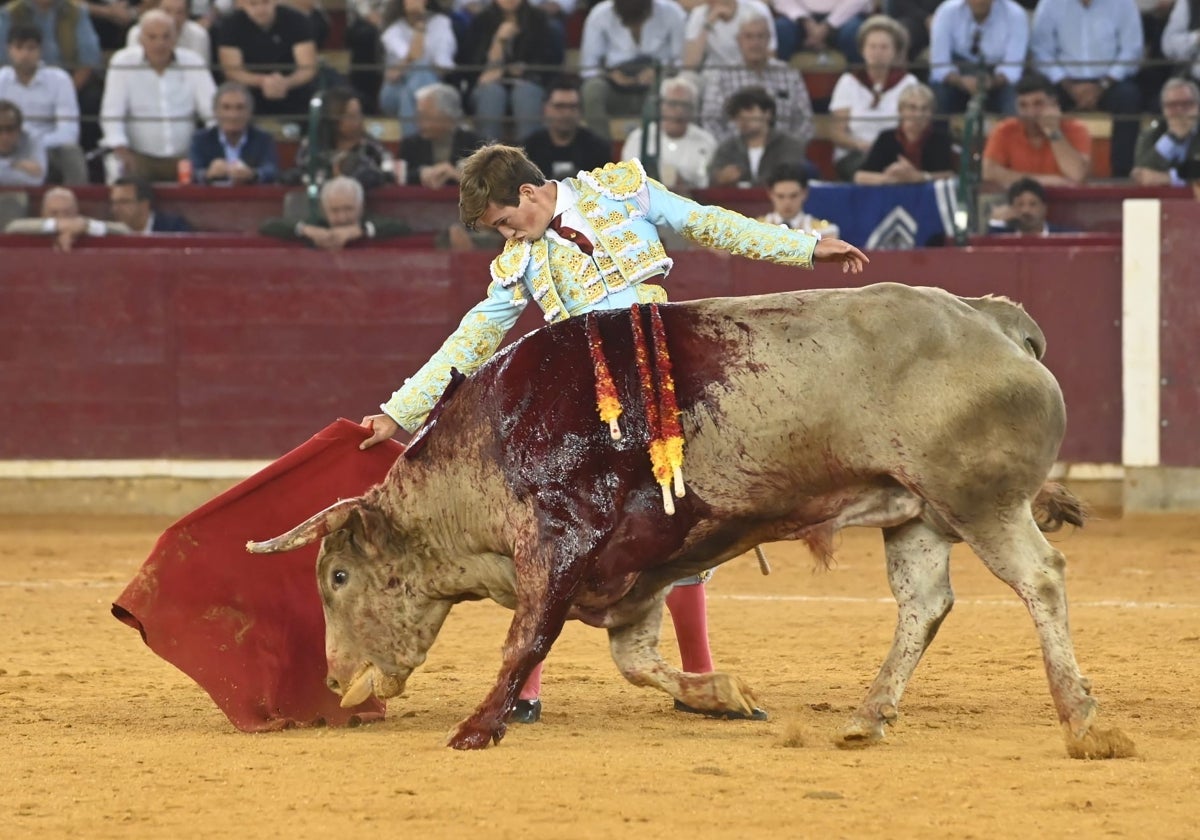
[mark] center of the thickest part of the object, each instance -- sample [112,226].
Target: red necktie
[571,235]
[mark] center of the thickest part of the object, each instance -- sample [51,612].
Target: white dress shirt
[440,43]
[49,109]
[155,113]
[721,47]
[194,37]
[608,43]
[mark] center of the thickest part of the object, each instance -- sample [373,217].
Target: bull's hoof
[1099,744]
[721,714]
[526,711]
[860,733]
[475,735]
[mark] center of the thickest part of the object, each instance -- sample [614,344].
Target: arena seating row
[820,150]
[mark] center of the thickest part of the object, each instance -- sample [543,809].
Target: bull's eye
[339,578]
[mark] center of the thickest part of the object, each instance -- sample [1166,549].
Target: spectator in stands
[977,47]
[818,24]
[364,28]
[916,16]
[793,108]
[432,157]
[787,187]
[624,42]
[47,101]
[22,158]
[132,202]
[153,95]
[343,147]
[418,46]
[711,37]
[1025,212]
[69,42]
[565,147]
[866,101]
[684,150]
[342,222]
[757,148]
[1167,146]
[1038,142]
[1181,36]
[271,49]
[191,35]
[1091,50]
[317,17]
[917,150]
[513,42]
[1155,69]
[112,19]
[234,151]
[61,219]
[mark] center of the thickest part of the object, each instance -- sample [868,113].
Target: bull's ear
[368,529]
[310,530]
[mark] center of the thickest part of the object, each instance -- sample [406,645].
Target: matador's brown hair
[494,174]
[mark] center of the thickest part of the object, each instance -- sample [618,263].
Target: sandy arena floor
[103,739]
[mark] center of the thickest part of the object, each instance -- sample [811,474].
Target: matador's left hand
[829,249]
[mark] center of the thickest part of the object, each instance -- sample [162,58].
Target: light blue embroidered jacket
[624,208]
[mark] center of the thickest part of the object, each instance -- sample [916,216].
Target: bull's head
[379,619]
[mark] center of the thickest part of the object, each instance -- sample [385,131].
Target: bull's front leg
[542,606]
[635,650]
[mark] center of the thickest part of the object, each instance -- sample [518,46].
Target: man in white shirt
[192,36]
[153,95]
[46,97]
[684,149]
[624,41]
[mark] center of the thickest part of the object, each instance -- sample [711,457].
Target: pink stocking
[689,614]
[533,686]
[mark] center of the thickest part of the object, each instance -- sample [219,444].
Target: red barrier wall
[1179,404]
[166,351]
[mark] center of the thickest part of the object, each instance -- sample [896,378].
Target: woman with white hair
[917,150]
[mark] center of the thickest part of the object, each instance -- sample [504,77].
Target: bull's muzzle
[367,680]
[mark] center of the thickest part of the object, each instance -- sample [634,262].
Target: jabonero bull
[908,409]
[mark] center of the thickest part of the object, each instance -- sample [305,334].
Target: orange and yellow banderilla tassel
[608,404]
[668,411]
[659,462]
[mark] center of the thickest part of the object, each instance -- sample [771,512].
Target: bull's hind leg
[635,650]
[1018,554]
[918,566]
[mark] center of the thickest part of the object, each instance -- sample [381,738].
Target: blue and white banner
[892,217]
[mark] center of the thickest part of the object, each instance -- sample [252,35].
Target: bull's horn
[313,528]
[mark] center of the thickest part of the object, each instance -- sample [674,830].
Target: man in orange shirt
[1037,143]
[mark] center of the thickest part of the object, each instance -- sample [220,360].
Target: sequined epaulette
[617,181]
[510,266]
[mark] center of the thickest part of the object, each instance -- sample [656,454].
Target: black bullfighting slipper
[526,711]
[757,714]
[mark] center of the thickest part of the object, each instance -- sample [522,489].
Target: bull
[926,415]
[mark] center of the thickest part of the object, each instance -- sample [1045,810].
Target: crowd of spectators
[169,90]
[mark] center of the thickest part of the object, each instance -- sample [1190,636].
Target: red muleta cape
[249,628]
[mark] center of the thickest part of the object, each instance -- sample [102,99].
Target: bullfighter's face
[379,624]
[527,222]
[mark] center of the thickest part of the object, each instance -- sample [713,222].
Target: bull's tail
[1055,506]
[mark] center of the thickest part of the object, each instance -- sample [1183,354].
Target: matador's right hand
[382,428]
